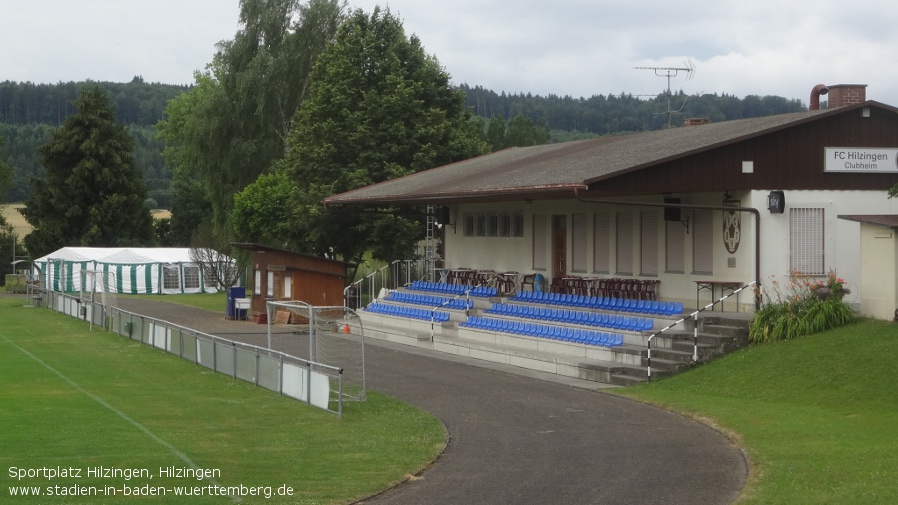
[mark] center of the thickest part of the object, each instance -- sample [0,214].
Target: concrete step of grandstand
[672,352]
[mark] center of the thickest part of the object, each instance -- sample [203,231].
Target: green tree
[91,194]
[378,108]
[6,178]
[233,125]
[522,132]
[495,132]
[8,244]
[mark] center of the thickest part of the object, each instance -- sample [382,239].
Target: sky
[564,47]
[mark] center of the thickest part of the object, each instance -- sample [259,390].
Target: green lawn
[817,415]
[75,399]
[209,301]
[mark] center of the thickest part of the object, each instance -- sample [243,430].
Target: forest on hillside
[30,112]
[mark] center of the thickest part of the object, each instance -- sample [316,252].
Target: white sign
[861,159]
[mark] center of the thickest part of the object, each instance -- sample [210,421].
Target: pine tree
[91,194]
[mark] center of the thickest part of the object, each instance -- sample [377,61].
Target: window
[505,225]
[601,237]
[191,277]
[288,287]
[675,248]
[806,245]
[170,277]
[702,242]
[648,243]
[257,284]
[469,226]
[270,291]
[578,241]
[539,242]
[625,243]
[493,225]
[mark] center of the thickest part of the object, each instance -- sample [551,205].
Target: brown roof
[885,220]
[553,170]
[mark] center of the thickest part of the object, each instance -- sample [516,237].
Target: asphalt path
[519,437]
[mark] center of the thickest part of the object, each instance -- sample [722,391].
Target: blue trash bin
[539,283]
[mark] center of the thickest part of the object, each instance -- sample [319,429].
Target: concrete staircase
[672,351]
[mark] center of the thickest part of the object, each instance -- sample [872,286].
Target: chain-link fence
[317,384]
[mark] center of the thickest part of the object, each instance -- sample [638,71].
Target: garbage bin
[233,311]
[539,283]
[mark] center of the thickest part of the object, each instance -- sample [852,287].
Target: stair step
[672,352]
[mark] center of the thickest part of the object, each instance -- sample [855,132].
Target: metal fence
[314,383]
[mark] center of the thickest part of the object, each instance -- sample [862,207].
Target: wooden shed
[285,275]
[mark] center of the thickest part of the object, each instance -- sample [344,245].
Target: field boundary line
[174,450]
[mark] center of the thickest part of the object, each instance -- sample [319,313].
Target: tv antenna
[670,72]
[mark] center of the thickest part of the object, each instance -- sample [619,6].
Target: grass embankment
[817,415]
[75,399]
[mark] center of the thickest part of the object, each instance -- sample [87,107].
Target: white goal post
[335,338]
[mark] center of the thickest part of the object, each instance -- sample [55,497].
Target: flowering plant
[831,287]
[801,306]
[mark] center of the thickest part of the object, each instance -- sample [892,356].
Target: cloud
[567,47]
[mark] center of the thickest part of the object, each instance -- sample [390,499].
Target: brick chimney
[841,95]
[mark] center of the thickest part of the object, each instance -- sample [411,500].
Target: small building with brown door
[280,275]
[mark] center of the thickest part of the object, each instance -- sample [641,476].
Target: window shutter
[579,242]
[539,242]
[702,242]
[625,243]
[675,248]
[648,243]
[601,255]
[806,241]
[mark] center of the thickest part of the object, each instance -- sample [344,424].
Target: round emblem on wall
[732,230]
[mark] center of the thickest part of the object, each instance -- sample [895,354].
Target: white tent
[136,270]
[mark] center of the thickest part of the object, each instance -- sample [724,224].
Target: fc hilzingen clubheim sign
[861,159]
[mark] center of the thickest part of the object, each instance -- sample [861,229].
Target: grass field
[11,213]
[22,227]
[818,415]
[210,301]
[73,400]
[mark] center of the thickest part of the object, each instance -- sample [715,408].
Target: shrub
[801,307]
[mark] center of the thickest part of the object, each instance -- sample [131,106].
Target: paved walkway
[525,438]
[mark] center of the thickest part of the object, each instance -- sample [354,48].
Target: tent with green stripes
[131,270]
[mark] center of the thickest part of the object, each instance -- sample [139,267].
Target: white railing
[694,317]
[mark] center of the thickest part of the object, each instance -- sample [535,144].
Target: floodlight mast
[670,72]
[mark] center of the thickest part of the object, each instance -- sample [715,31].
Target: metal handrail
[371,279]
[467,294]
[692,316]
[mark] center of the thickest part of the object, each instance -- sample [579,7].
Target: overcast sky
[564,47]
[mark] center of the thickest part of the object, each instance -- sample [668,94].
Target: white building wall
[842,238]
[516,253]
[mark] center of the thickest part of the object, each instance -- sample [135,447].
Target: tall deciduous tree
[91,194]
[378,108]
[234,123]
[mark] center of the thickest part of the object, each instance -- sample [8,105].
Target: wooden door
[559,246]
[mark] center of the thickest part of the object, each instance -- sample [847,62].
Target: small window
[492,225]
[469,226]
[505,225]
[170,277]
[481,226]
[191,277]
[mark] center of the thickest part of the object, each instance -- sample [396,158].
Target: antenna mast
[669,72]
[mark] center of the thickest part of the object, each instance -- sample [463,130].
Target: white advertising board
[861,159]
